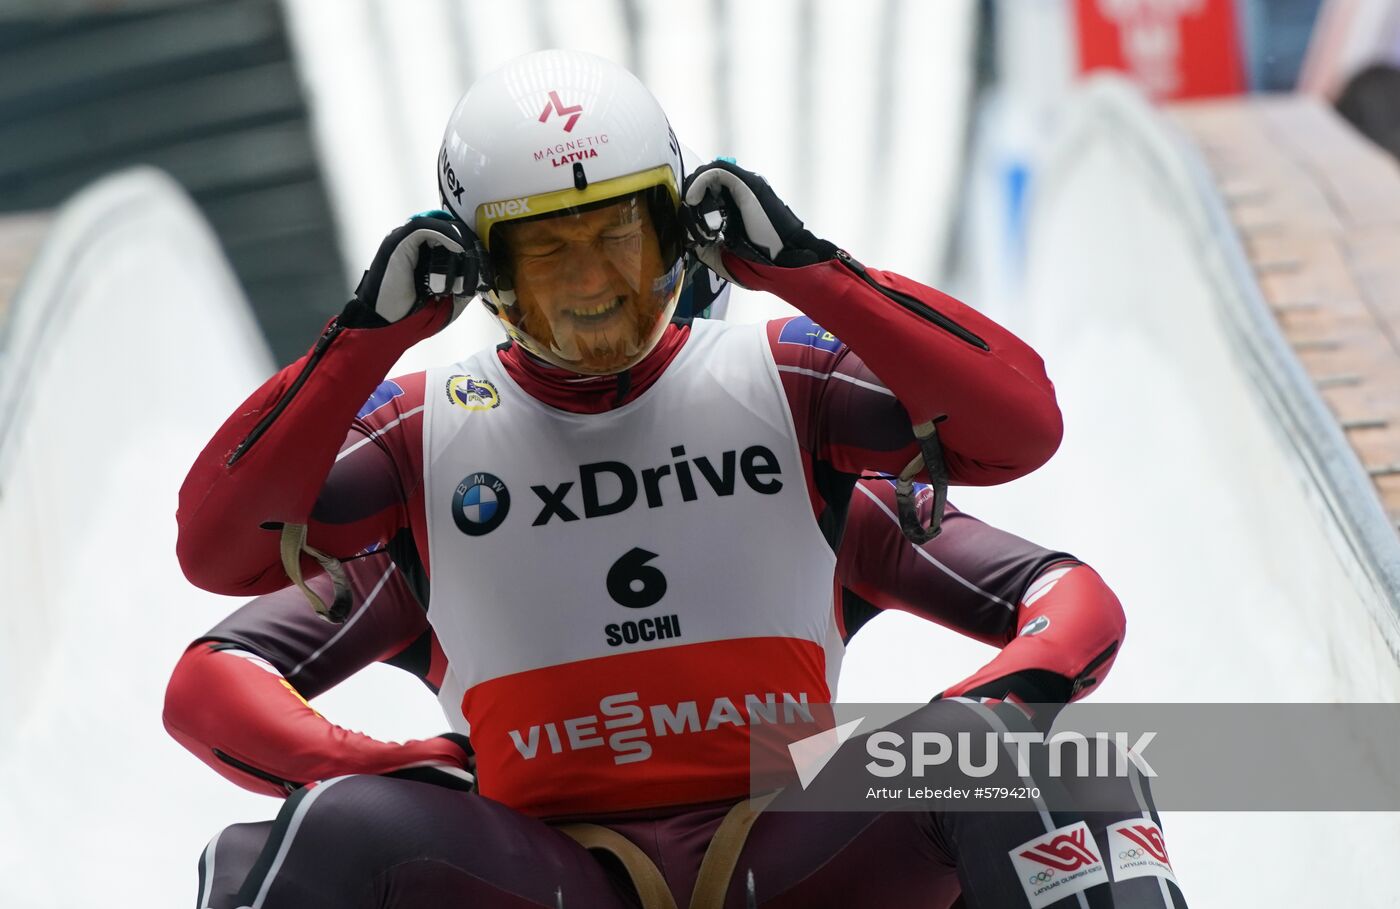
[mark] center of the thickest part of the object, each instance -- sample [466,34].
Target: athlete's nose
[586,273]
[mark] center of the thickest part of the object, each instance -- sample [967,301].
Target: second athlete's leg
[370,841]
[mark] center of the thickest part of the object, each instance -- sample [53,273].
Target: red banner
[1172,48]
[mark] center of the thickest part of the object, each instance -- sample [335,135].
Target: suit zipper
[918,307]
[249,769]
[1084,680]
[327,336]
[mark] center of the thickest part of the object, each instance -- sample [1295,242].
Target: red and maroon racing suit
[254,726]
[285,457]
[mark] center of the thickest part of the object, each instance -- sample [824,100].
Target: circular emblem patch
[471,393]
[1035,626]
[480,503]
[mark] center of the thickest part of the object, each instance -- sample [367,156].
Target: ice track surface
[1189,477]
[125,348]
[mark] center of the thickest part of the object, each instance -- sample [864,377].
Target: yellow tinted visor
[489,214]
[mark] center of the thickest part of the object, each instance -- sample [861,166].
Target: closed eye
[628,234]
[539,252]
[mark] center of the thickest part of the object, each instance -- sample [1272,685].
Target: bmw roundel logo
[1035,626]
[480,503]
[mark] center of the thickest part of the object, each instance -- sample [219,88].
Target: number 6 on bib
[635,584]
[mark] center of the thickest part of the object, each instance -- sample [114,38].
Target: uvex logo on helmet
[449,176]
[508,209]
[557,106]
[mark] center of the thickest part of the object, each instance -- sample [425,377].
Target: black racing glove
[429,255]
[729,208]
[460,778]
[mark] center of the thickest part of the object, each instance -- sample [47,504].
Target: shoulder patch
[802,331]
[386,392]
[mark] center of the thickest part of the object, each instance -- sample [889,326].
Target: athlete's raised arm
[944,361]
[267,464]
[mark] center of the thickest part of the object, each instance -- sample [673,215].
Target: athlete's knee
[332,838]
[360,805]
[225,862]
[383,815]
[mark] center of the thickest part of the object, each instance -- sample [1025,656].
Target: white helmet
[567,170]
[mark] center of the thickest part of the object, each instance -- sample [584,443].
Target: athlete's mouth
[594,315]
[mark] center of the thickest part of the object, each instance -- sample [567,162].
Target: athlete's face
[587,283]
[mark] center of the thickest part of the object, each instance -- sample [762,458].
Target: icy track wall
[1200,469]
[125,345]
[1201,475]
